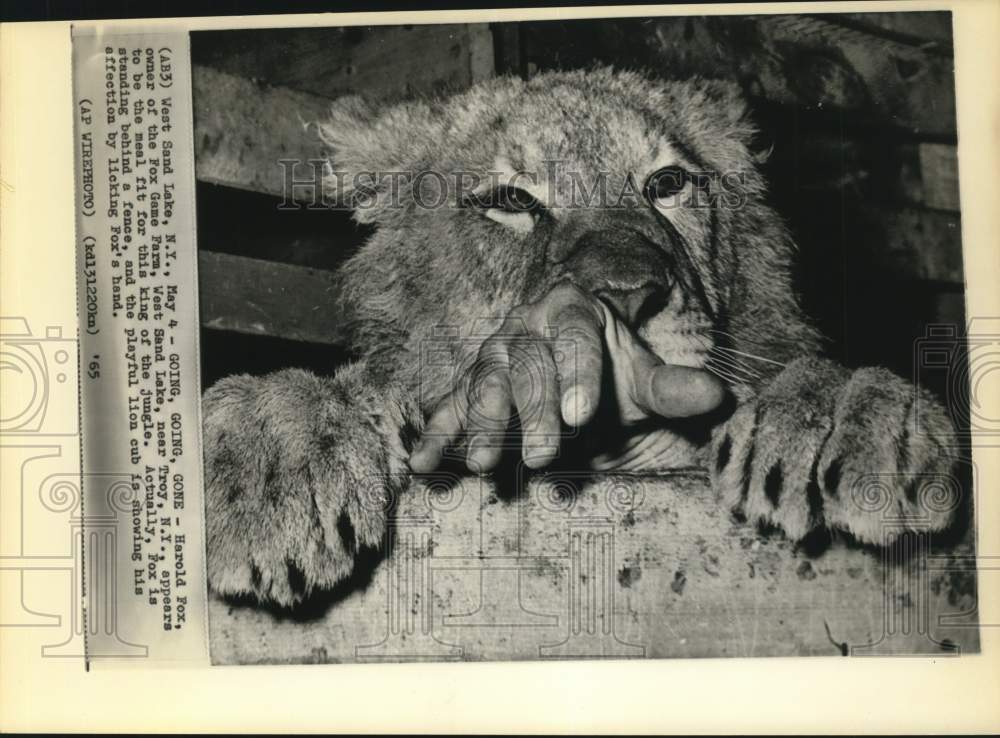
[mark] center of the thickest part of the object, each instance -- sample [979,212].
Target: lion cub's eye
[665,183]
[509,206]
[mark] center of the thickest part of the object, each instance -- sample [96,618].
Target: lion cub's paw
[863,452]
[297,480]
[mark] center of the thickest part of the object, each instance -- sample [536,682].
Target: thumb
[675,391]
[653,388]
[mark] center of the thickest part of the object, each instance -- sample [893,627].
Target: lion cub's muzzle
[624,269]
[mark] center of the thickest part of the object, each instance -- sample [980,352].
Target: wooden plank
[267,298]
[939,176]
[923,244]
[508,52]
[243,130]
[625,567]
[378,61]
[482,57]
[254,102]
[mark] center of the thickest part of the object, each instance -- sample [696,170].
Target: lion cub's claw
[824,447]
[291,496]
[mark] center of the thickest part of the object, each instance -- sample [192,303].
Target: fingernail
[713,392]
[540,456]
[422,458]
[475,456]
[419,463]
[575,406]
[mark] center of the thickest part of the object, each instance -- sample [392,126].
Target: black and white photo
[583,339]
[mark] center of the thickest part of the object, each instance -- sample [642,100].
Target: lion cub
[586,252]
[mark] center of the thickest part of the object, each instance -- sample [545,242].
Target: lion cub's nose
[634,305]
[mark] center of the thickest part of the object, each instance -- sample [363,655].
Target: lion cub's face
[625,187]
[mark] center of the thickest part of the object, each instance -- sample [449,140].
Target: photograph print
[580,339]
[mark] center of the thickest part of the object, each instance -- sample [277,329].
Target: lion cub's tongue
[657,450]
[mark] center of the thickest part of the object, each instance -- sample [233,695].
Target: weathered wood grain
[619,567]
[244,130]
[939,176]
[380,61]
[267,298]
[255,107]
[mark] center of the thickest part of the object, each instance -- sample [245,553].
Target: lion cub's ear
[374,151]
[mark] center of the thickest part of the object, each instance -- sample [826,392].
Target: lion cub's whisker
[729,336]
[749,356]
[735,369]
[726,376]
[720,353]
